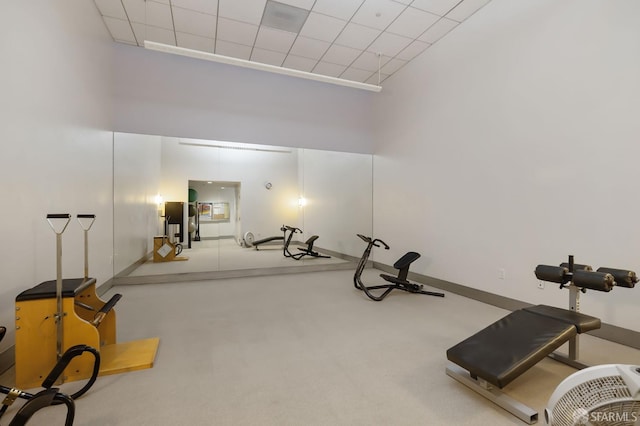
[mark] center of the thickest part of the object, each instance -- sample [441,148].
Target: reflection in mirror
[234,194]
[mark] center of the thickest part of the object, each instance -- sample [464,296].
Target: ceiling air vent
[284,17]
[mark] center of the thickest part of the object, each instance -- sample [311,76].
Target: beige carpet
[304,349]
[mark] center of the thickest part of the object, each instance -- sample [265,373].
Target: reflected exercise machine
[398,282]
[57,315]
[304,251]
[250,242]
[495,356]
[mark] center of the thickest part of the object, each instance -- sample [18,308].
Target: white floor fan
[601,395]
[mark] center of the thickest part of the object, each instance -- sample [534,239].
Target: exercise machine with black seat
[399,282]
[56,315]
[500,353]
[304,251]
[50,395]
[251,242]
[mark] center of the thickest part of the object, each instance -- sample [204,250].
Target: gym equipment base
[37,334]
[128,356]
[518,409]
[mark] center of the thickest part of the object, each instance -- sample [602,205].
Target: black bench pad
[47,290]
[510,346]
[582,322]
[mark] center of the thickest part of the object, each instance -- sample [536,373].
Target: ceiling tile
[205,6]
[303,4]
[299,63]
[438,30]
[309,48]
[120,30]
[439,7]
[412,22]
[149,13]
[190,41]
[332,70]
[392,66]
[267,56]
[413,50]
[234,50]
[359,29]
[249,11]
[354,74]
[159,35]
[341,9]
[378,13]
[276,40]
[341,55]
[322,27]
[197,23]
[376,79]
[465,9]
[389,44]
[237,32]
[111,8]
[370,61]
[357,36]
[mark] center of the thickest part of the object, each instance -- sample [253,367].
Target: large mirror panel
[232,193]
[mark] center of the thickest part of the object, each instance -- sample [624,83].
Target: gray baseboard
[236,273]
[608,332]
[126,271]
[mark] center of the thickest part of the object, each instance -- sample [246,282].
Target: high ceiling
[357,40]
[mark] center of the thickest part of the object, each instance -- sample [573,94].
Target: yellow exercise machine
[56,315]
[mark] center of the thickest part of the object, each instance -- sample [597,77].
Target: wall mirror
[232,193]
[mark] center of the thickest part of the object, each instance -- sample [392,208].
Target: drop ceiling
[365,41]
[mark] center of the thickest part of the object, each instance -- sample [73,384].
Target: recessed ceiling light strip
[160,47]
[241,148]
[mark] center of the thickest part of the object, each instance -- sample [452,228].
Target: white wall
[56,144]
[513,142]
[338,189]
[136,184]
[163,94]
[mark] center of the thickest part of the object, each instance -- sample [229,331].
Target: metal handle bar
[373,242]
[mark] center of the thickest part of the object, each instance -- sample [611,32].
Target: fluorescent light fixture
[166,48]
[241,148]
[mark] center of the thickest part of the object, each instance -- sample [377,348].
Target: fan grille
[604,393]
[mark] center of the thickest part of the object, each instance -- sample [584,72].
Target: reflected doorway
[214,208]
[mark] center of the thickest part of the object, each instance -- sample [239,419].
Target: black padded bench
[510,346]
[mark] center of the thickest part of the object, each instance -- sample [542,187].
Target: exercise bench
[495,356]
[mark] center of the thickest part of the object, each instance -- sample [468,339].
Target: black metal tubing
[69,354]
[357,277]
[398,283]
[43,399]
[285,248]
